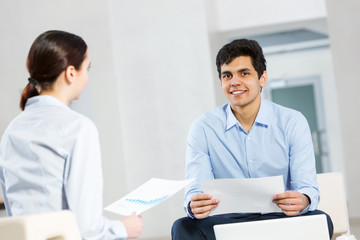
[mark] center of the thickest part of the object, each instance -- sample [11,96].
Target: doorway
[304,95]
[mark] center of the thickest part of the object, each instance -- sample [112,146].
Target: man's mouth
[237,92]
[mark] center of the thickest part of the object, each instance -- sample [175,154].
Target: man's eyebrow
[240,70]
[225,72]
[244,70]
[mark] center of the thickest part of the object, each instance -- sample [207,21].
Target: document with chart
[244,194]
[146,196]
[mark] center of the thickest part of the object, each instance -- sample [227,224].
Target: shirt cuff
[118,229]
[313,197]
[307,209]
[190,214]
[187,207]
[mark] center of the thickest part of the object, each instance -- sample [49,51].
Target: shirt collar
[44,100]
[262,118]
[230,118]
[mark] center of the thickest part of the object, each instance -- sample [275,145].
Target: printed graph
[143,202]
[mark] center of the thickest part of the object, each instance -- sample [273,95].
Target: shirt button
[250,161]
[248,137]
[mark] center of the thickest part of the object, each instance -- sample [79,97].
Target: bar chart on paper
[146,196]
[143,202]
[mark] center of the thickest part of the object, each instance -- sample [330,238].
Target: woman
[50,155]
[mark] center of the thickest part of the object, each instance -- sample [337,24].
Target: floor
[355,227]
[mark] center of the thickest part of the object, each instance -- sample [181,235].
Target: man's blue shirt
[278,143]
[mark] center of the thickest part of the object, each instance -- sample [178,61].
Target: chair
[333,201]
[60,225]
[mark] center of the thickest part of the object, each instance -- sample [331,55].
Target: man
[248,137]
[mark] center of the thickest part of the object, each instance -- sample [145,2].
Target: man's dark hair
[242,47]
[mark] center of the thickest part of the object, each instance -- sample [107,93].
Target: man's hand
[201,205]
[291,202]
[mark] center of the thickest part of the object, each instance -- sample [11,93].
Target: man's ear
[70,74]
[263,79]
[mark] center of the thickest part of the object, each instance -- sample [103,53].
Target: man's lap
[188,228]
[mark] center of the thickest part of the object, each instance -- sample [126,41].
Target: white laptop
[294,228]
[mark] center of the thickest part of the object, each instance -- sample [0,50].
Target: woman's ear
[70,74]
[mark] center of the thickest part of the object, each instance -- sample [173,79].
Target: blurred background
[153,72]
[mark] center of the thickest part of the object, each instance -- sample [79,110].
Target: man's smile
[237,92]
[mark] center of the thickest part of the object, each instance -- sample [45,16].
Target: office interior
[153,72]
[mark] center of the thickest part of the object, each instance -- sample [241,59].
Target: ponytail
[28,92]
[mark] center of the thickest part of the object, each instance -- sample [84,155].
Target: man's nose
[236,80]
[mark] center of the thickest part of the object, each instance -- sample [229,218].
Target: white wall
[14,47]
[163,68]
[164,81]
[234,14]
[344,29]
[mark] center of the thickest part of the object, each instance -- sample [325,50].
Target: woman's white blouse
[50,160]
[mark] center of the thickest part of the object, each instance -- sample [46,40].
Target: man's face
[240,82]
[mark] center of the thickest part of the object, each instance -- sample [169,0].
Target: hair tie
[33,81]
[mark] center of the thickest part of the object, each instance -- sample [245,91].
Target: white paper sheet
[244,194]
[146,196]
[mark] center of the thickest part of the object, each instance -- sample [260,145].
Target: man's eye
[226,76]
[245,73]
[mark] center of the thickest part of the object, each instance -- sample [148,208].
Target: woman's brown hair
[50,54]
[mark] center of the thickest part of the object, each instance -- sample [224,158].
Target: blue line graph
[143,202]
